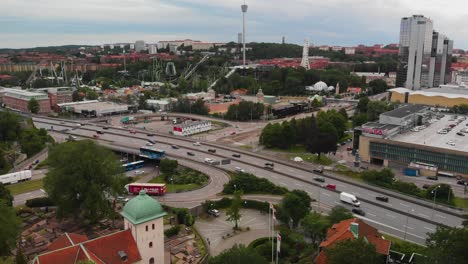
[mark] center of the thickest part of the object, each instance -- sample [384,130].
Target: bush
[172,231]
[183,216]
[187,176]
[249,183]
[40,202]
[257,205]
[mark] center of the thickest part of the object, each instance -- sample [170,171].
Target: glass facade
[445,161]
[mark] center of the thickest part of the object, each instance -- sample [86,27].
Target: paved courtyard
[213,229]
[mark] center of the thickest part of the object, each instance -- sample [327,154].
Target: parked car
[382,198]
[132,131]
[319,179]
[139,172]
[358,211]
[212,150]
[196,143]
[105,128]
[462,182]
[213,212]
[174,147]
[238,169]
[100,132]
[432,178]
[190,154]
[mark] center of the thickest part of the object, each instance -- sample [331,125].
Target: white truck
[349,199]
[16,177]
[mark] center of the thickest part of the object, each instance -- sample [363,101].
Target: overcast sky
[31,23]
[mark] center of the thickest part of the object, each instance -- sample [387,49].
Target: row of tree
[368,110]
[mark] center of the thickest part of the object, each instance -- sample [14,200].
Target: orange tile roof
[102,250]
[66,240]
[340,231]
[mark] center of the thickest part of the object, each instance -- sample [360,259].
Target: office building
[153,49]
[19,99]
[415,52]
[441,59]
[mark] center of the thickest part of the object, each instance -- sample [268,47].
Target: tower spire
[305,55]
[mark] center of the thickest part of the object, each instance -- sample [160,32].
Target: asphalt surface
[390,217]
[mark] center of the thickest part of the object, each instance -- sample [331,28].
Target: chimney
[123,256]
[354,228]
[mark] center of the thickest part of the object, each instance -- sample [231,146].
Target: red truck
[150,188]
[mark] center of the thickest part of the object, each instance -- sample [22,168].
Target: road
[390,217]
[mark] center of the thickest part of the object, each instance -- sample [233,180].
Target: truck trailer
[150,188]
[349,199]
[16,177]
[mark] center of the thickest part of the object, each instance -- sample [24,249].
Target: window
[146,228]
[150,244]
[151,261]
[153,226]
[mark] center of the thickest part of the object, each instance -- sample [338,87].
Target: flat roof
[98,106]
[430,137]
[405,110]
[445,91]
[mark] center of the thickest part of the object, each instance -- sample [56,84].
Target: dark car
[175,147]
[460,134]
[190,154]
[271,164]
[151,141]
[319,179]
[382,198]
[100,132]
[432,178]
[236,155]
[462,182]
[358,211]
[105,128]
[150,135]
[343,143]
[212,150]
[319,170]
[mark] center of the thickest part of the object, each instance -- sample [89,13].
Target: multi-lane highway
[398,216]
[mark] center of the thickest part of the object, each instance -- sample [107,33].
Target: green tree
[33,106]
[9,126]
[31,141]
[315,226]
[82,175]
[362,104]
[233,212]
[339,213]
[296,205]
[142,103]
[20,258]
[5,195]
[384,177]
[444,193]
[238,254]
[343,113]
[377,86]
[168,166]
[375,108]
[359,119]
[10,228]
[349,251]
[447,245]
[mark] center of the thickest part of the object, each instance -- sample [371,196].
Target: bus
[134,165]
[152,153]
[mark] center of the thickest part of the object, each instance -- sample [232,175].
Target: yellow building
[444,96]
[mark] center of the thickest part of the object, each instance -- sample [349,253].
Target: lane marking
[405,205]
[282,183]
[423,215]
[297,184]
[389,215]
[428,228]
[441,216]
[391,227]
[409,227]
[326,194]
[371,214]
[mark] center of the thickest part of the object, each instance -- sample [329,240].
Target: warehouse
[95,108]
[445,96]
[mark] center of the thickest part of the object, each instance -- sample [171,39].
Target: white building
[140,45]
[162,105]
[350,50]
[319,87]
[153,49]
[191,128]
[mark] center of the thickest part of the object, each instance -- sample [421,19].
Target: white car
[451,143]
[139,172]
[122,199]
[238,169]
[196,143]
[149,144]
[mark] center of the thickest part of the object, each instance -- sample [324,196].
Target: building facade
[441,60]
[19,99]
[191,128]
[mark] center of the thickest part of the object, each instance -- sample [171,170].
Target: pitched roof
[66,240]
[341,231]
[102,250]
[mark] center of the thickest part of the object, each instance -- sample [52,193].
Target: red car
[133,131]
[331,186]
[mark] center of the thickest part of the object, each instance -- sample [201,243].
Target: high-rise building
[415,52]
[441,60]
[139,45]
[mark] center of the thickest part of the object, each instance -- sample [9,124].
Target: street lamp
[435,194]
[406,226]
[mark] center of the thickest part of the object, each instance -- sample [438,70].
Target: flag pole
[269,222]
[278,245]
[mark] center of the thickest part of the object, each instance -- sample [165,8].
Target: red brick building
[19,99]
[353,229]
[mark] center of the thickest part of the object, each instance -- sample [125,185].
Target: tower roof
[142,209]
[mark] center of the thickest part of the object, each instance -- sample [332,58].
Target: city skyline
[344,23]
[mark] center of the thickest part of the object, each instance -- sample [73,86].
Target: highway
[390,217]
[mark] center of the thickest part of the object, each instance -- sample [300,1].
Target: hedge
[40,202]
[172,231]
[249,183]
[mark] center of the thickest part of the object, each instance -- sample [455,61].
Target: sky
[32,23]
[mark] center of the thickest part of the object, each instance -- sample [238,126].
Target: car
[151,141]
[125,126]
[174,147]
[212,150]
[35,162]
[268,167]
[208,160]
[132,131]
[460,134]
[382,198]
[236,155]
[95,136]
[319,179]
[105,128]
[330,186]
[100,132]
[122,199]
[432,178]
[73,138]
[149,144]
[426,186]
[238,169]
[196,143]
[139,172]
[213,212]
[190,154]
[343,143]
[233,133]
[62,122]
[30,167]
[358,211]
[318,170]
[270,164]
[150,135]
[349,149]
[364,168]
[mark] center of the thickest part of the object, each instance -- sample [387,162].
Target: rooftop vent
[123,256]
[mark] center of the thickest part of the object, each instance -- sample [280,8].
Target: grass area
[343,170]
[171,188]
[25,187]
[42,164]
[324,160]
[246,147]
[292,149]
[219,123]
[460,202]
[200,242]
[404,246]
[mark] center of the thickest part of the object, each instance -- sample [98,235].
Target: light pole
[320,209]
[406,226]
[244,10]
[435,194]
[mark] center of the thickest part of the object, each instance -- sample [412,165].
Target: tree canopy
[33,106]
[356,251]
[233,212]
[238,254]
[315,226]
[5,195]
[339,213]
[295,205]
[81,177]
[10,228]
[447,245]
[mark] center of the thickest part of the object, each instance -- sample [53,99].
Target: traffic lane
[296,172]
[21,199]
[420,181]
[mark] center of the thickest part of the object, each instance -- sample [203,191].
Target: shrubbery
[249,183]
[172,231]
[226,202]
[40,202]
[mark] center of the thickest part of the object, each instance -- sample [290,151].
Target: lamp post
[435,194]
[406,225]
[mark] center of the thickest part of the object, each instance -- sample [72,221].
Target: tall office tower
[415,52]
[283,40]
[447,60]
[441,60]
[139,45]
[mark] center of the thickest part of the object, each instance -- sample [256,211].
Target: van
[349,199]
